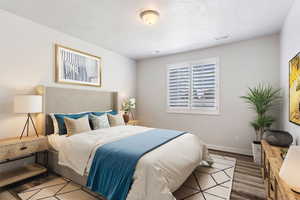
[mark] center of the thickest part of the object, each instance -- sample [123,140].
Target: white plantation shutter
[204,86]
[179,87]
[193,87]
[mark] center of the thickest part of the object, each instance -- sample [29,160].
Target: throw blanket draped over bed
[112,170]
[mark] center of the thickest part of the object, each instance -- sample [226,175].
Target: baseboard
[247,152]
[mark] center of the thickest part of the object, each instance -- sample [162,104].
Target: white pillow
[55,124]
[75,126]
[116,120]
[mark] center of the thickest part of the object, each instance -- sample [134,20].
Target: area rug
[209,183]
[206,183]
[58,189]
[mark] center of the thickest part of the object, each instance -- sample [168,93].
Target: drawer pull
[23,148]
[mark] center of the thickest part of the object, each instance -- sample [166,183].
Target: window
[193,87]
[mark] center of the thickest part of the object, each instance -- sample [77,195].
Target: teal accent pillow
[113,112]
[61,122]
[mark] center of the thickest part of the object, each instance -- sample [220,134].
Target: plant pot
[278,138]
[256,152]
[126,118]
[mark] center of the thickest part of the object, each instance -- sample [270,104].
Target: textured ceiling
[183,24]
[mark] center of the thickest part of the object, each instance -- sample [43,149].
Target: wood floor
[247,184]
[247,181]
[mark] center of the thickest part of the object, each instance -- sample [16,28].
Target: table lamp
[28,104]
[289,170]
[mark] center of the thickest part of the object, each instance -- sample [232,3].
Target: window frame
[190,110]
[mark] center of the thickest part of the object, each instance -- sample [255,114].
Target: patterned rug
[209,183]
[206,183]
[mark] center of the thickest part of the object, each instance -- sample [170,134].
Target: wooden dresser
[13,149]
[277,189]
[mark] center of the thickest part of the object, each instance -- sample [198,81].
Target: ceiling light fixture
[149,17]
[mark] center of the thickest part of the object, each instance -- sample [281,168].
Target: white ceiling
[183,24]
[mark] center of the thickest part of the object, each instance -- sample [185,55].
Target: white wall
[290,46]
[27,60]
[242,64]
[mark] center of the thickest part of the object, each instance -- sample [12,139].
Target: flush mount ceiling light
[149,16]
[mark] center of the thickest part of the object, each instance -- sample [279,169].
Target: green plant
[262,99]
[128,105]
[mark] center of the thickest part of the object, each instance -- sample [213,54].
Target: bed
[158,173]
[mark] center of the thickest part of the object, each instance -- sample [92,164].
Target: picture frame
[294,90]
[76,67]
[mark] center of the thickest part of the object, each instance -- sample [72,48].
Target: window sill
[195,112]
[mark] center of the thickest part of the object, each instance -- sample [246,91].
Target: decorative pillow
[116,120]
[98,122]
[55,124]
[59,123]
[112,112]
[75,126]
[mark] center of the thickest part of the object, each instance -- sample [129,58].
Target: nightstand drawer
[27,148]
[22,148]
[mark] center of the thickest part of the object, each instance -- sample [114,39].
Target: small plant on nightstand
[128,106]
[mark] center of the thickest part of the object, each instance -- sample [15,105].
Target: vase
[126,118]
[256,152]
[278,138]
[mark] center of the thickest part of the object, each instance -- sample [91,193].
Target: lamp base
[29,119]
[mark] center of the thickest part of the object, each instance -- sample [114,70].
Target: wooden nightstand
[133,122]
[15,149]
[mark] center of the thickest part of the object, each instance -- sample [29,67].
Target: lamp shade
[28,104]
[289,171]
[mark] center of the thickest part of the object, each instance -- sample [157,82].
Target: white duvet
[158,173]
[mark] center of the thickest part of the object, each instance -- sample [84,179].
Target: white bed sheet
[56,141]
[158,173]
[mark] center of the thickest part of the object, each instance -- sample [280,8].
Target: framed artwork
[76,67]
[294,90]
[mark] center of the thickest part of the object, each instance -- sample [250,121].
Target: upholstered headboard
[66,100]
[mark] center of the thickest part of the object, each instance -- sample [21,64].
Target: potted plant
[128,106]
[261,99]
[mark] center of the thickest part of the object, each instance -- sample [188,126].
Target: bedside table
[13,149]
[133,122]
